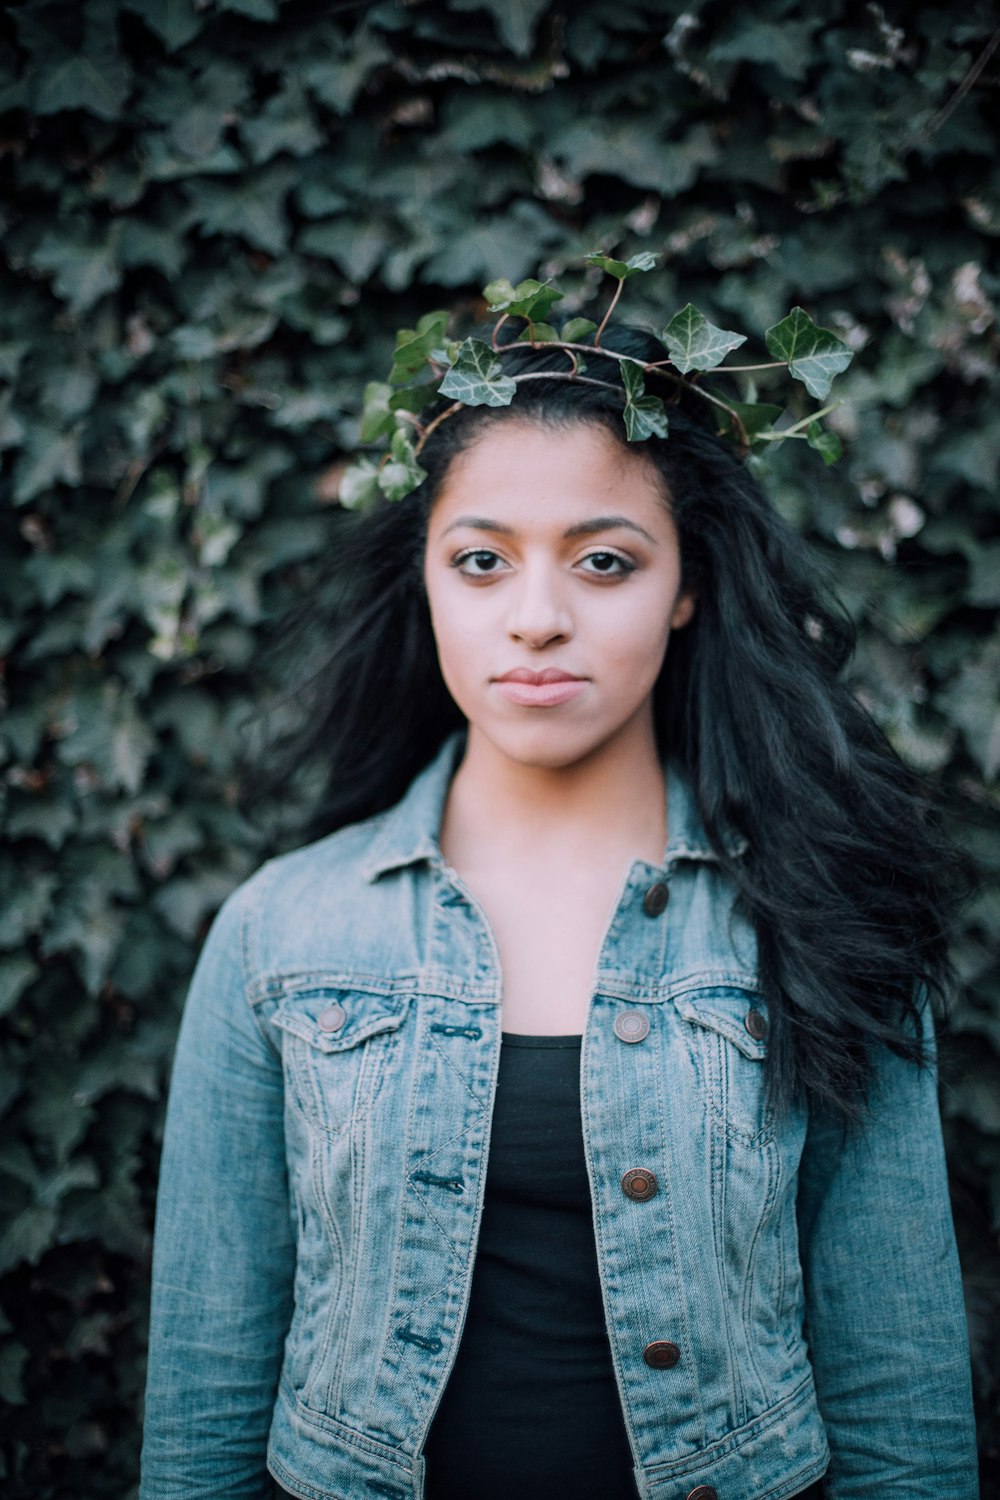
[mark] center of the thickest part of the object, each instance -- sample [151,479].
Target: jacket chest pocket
[336,1046]
[726,1033]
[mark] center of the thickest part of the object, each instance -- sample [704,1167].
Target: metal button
[631,1026]
[704,1492]
[655,900]
[332,1018]
[756,1024]
[661,1354]
[639,1184]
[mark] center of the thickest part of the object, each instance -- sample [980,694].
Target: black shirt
[532,1406]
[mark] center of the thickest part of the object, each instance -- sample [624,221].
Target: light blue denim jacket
[322,1186]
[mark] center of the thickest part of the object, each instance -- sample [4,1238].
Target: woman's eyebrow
[582,528]
[479,523]
[606,523]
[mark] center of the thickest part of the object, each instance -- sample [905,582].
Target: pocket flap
[334,1020]
[738,1015]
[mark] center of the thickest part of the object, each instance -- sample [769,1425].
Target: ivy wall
[214,213]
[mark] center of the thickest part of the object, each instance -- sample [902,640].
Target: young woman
[564,1122]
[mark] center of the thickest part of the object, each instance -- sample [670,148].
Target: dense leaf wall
[213,213]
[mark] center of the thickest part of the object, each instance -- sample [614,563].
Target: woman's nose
[538,614]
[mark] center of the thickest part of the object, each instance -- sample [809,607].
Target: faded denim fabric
[322,1185]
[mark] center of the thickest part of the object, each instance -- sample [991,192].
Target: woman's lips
[539,689]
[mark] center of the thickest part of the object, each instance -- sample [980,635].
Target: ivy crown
[433,376]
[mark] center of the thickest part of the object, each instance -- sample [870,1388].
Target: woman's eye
[480,563]
[607,564]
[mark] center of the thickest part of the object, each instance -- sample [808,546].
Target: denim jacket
[322,1185]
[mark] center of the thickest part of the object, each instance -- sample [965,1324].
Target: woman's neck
[610,805]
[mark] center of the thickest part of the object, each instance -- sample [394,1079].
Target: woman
[565,1122]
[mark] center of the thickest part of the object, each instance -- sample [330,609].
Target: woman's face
[554,579]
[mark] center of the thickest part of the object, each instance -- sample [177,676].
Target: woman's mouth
[539,689]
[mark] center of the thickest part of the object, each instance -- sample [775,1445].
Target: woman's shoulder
[319,907]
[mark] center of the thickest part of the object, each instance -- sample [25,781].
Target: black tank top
[532,1406]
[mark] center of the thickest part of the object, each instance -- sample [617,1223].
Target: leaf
[814,355]
[515,20]
[27,1236]
[359,485]
[252,207]
[826,443]
[577,329]
[337,81]
[49,457]
[376,416]
[644,261]
[984,575]
[84,270]
[755,416]
[97,81]
[355,245]
[696,344]
[645,416]
[415,346]
[529,299]
[786,45]
[16,973]
[176,22]
[476,378]
[402,473]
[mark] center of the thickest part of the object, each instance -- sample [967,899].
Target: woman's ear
[683,609]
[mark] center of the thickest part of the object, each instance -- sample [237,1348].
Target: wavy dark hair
[846,879]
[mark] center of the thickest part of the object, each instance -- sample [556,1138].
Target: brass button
[703,1492]
[332,1018]
[756,1024]
[639,1184]
[631,1026]
[655,900]
[661,1354]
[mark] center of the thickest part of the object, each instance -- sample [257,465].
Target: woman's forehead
[523,467]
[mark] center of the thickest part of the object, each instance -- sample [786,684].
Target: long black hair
[845,877]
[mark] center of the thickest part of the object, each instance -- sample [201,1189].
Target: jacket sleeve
[223,1257]
[884,1308]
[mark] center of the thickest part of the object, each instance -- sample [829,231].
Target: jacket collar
[408,832]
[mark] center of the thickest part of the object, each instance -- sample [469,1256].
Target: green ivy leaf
[695,343]
[826,443]
[84,270]
[376,417]
[16,973]
[538,333]
[529,299]
[359,485]
[814,355]
[176,22]
[416,346]
[402,473]
[645,416]
[577,329]
[477,377]
[755,416]
[644,261]
[515,20]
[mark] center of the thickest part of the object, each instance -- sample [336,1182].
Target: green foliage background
[214,213]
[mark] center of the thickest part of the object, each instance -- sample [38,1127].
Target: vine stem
[449,411]
[613,304]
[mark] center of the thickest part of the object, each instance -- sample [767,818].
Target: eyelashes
[483,562]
